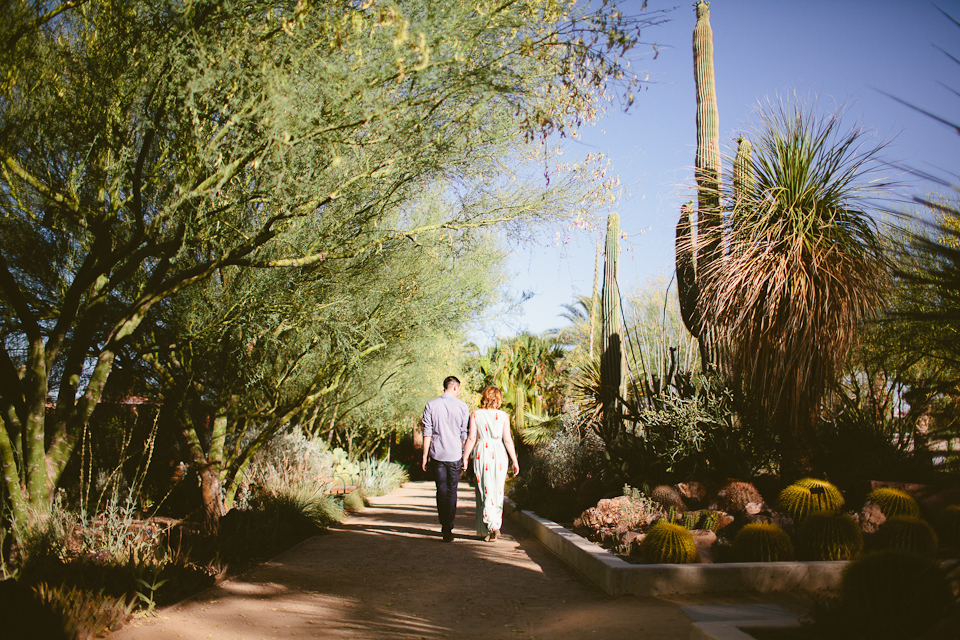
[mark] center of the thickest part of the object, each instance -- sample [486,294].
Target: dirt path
[385,573]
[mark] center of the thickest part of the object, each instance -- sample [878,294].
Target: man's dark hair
[449,381]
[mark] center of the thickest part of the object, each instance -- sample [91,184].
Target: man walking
[445,423]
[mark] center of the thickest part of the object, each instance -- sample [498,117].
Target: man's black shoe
[448,537]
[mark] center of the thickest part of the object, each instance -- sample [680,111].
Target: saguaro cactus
[612,383]
[698,248]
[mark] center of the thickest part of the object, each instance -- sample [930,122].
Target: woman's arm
[471,439]
[508,444]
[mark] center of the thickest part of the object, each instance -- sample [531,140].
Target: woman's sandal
[488,537]
[494,534]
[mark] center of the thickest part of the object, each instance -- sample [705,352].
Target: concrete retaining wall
[617,577]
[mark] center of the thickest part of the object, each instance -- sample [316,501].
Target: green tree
[804,267]
[146,146]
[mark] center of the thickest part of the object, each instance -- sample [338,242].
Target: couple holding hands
[453,438]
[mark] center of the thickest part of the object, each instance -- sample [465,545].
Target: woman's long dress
[490,468]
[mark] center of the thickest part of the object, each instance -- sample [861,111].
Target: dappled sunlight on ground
[385,573]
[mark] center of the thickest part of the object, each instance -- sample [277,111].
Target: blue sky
[843,52]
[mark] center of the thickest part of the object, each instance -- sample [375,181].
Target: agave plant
[803,266]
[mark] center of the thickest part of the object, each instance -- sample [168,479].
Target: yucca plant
[803,265]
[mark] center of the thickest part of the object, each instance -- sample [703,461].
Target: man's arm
[426,451]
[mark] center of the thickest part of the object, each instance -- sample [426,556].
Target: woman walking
[490,432]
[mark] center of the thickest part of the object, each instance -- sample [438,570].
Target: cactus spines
[612,383]
[892,594]
[908,533]
[762,542]
[735,496]
[667,543]
[949,525]
[698,249]
[690,520]
[710,520]
[894,502]
[667,496]
[809,496]
[743,178]
[829,536]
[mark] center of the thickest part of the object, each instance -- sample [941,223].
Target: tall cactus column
[700,246]
[612,382]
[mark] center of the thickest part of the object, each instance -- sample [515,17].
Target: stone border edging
[617,577]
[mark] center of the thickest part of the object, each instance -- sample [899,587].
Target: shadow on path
[385,573]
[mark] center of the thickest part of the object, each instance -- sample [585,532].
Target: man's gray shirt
[446,420]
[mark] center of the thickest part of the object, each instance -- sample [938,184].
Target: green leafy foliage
[667,543]
[762,542]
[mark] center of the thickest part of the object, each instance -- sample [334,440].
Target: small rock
[871,517]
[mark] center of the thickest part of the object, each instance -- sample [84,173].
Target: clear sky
[842,52]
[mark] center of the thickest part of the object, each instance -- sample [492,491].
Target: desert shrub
[380,477]
[892,594]
[735,496]
[809,496]
[667,543]
[86,615]
[295,459]
[907,533]
[553,472]
[829,536]
[894,502]
[762,542]
[353,502]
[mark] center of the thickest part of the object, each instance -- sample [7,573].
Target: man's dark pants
[447,477]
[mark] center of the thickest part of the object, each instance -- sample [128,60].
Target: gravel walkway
[385,573]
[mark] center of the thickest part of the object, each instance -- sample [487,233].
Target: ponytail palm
[803,266]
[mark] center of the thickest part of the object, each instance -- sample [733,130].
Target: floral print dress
[490,466]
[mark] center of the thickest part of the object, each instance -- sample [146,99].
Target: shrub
[85,615]
[949,525]
[891,594]
[380,477]
[829,536]
[761,542]
[907,533]
[667,543]
[735,496]
[353,502]
[894,502]
[809,496]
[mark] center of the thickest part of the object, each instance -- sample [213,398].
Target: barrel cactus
[891,594]
[668,543]
[949,525]
[829,536]
[894,502]
[667,496]
[809,496]
[907,533]
[735,496]
[762,542]
[709,520]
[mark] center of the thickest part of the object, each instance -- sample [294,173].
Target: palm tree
[803,266]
